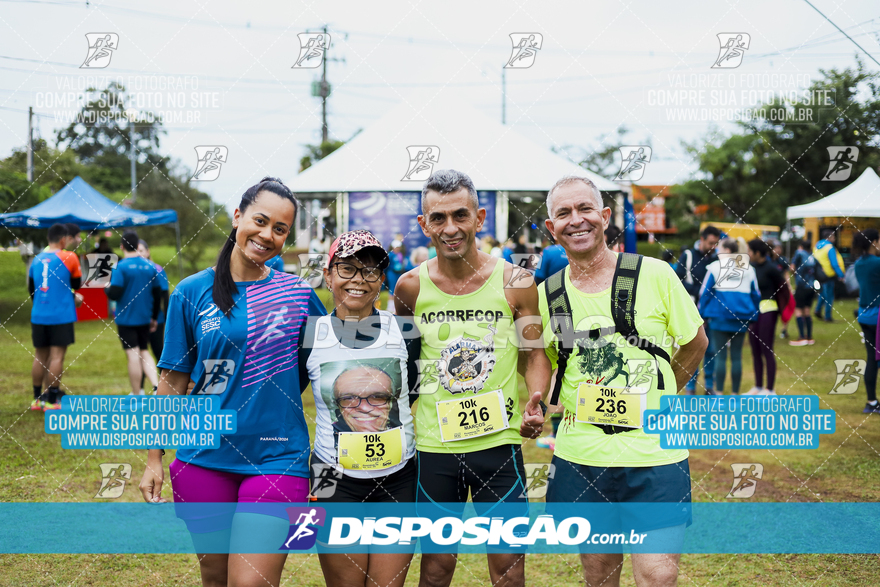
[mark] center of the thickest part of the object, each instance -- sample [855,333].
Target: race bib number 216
[472,416]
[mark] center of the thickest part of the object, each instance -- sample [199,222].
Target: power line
[844,32]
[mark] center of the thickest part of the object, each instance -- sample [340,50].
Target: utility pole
[133,159]
[323,91]
[30,145]
[503,95]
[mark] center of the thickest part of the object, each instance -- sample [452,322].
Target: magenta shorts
[194,484]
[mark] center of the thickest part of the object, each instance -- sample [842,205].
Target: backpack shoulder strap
[561,325]
[623,293]
[624,286]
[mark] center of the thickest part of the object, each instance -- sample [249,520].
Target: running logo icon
[745,480]
[422,159]
[429,377]
[527,264]
[273,323]
[312,47]
[849,375]
[303,532]
[325,478]
[733,269]
[218,372]
[642,373]
[98,268]
[538,476]
[101,48]
[312,268]
[633,159]
[733,47]
[525,49]
[113,479]
[210,159]
[841,163]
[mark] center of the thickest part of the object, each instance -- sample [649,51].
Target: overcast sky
[600,66]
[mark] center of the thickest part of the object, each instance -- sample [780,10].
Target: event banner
[387,214]
[446,527]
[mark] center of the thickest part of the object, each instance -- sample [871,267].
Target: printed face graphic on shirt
[362,395]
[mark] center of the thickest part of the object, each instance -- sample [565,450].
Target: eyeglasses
[348,271]
[377,400]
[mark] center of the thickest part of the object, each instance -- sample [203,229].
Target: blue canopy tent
[81,204]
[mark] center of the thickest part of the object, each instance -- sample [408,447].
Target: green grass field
[34,468]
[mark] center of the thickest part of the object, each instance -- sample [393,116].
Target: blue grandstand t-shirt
[276,263]
[553,260]
[248,360]
[136,276]
[51,272]
[162,278]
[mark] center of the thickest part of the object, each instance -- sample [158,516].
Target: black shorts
[134,337]
[491,476]
[157,341]
[398,487]
[804,296]
[46,335]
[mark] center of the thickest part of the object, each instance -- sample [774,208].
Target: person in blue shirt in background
[233,332]
[396,268]
[137,290]
[867,242]
[553,260]
[418,256]
[51,277]
[804,267]
[668,257]
[729,300]
[691,270]
[507,251]
[830,260]
[276,263]
[157,337]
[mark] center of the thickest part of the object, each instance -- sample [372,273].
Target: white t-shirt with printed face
[361,390]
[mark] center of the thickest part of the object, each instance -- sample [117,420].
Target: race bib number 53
[610,405]
[472,416]
[368,451]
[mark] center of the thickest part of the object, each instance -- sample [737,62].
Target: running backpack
[624,286]
[807,270]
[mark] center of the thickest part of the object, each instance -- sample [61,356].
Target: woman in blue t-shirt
[231,331]
[868,274]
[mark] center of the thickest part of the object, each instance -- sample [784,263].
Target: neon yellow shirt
[664,314]
[472,343]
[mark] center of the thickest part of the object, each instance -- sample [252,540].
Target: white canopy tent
[494,155]
[860,199]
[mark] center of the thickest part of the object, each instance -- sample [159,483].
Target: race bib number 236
[615,406]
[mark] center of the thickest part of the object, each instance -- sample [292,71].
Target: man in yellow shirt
[828,257]
[610,378]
